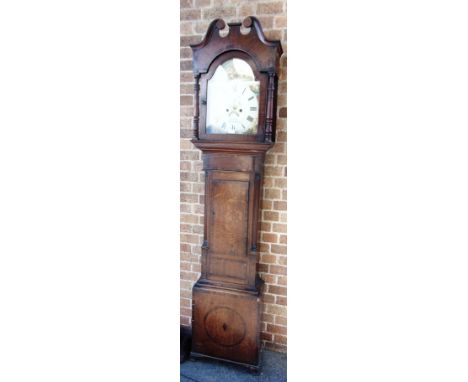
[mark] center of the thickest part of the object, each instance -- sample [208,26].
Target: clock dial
[232,99]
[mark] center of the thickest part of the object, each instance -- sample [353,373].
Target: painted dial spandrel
[232,99]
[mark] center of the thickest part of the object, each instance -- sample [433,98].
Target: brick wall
[195,16]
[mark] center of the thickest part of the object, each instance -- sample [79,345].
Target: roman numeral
[253,108]
[251,98]
[249,118]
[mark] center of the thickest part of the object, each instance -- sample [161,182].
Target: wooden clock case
[227,297]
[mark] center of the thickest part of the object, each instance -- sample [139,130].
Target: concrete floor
[273,370]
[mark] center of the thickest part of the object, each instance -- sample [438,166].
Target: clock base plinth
[255,369]
[226,325]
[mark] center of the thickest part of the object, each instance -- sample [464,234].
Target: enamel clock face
[232,99]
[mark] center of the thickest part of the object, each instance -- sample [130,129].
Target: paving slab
[204,370]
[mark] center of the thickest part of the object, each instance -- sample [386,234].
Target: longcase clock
[234,126]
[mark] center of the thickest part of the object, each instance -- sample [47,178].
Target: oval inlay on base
[225,326]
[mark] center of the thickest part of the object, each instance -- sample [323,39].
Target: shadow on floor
[273,370]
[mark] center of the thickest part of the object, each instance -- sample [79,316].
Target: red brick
[188,294]
[185,228]
[270,237]
[268,259]
[186,111]
[185,207]
[269,158]
[265,226]
[281,159]
[185,52]
[279,290]
[280,22]
[280,228]
[185,275]
[279,249]
[280,339]
[186,123]
[185,266]
[223,12]
[272,194]
[270,215]
[186,89]
[281,300]
[282,260]
[270,8]
[279,320]
[190,14]
[274,34]
[278,269]
[186,65]
[186,303]
[189,238]
[269,279]
[274,170]
[282,280]
[188,198]
[186,4]
[187,77]
[276,329]
[189,155]
[198,209]
[196,268]
[185,165]
[266,204]
[197,229]
[202,3]
[281,182]
[268,182]
[185,284]
[283,217]
[185,247]
[266,22]
[186,133]
[185,187]
[282,136]
[186,28]
[280,206]
[264,247]
[188,218]
[282,87]
[262,268]
[247,9]
[276,309]
[202,26]
[188,177]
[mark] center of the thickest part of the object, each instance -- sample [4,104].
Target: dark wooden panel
[226,325]
[229,162]
[229,217]
[229,270]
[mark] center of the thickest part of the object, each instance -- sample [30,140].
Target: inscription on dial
[225,326]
